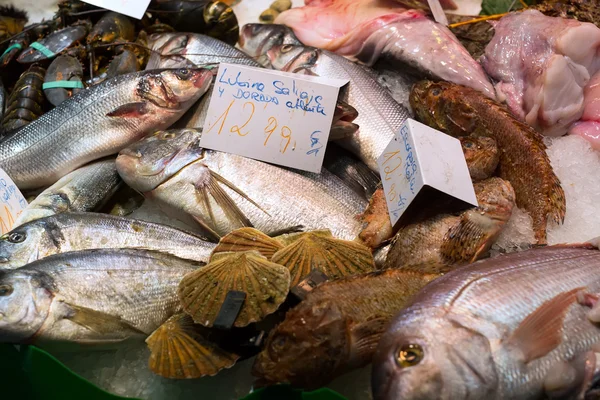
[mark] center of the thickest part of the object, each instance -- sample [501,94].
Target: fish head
[25,298]
[174,89]
[151,161]
[306,349]
[257,39]
[293,58]
[442,106]
[173,48]
[481,154]
[22,245]
[423,355]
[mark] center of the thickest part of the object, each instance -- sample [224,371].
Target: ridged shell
[245,239]
[336,258]
[266,284]
[177,352]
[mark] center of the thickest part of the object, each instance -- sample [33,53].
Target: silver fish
[222,192]
[85,189]
[98,122]
[379,115]
[67,232]
[90,297]
[520,326]
[257,39]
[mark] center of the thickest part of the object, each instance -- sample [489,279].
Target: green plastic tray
[35,374]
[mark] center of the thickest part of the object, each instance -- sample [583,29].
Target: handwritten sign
[12,203]
[273,116]
[420,156]
[131,8]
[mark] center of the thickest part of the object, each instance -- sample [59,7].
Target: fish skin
[321,337]
[79,130]
[85,189]
[460,111]
[465,322]
[379,115]
[136,290]
[482,156]
[62,233]
[286,198]
[441,243]
[257,39]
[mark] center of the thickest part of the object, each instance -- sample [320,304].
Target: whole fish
[379,115]
[446,240]
[85,189]
[190,181]
[460,111]
[67,232]
[336,328]
[98,122]
[518,326]
[90,297]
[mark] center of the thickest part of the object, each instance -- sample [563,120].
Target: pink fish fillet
[366,30]
[543,65]
[588,126]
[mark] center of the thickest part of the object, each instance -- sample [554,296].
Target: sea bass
[222,191]
[367,30]
[257,39]
[98,122]
[336,328]
[67,232]
[523,325]
[460,111]
[379,115]
[85,189]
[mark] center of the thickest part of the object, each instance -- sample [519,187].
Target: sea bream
[98,122]
[518,326]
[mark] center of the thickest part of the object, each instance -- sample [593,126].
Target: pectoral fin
[365,338]
[129,110]
[470,238]
[98,321]
[541,331]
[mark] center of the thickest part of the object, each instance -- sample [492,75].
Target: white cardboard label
[417,156]
[12,203]
[131,8]
[273,116]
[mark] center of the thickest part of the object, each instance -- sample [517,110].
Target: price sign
[12,203]
[273,116]
[420,156]
[131,8]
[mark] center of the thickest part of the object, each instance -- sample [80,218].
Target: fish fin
[286,231]
[334,257]
[467,240]
[231,186]
[342,130]
[178,352]
[540,332]
[129,110]
[360,178]
[377,225]
[245,239]
[366,337]
[231,210]
[98,321]
[206,227]
[203,292]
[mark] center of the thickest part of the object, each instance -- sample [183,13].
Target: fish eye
[6,290]
[168,135]
[16,237]
[468,145]
[409,355]
[286,47]
[183,73]
[436,91]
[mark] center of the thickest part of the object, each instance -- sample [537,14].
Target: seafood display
[146,260]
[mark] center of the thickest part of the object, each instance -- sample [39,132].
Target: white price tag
[420,156]
[131,8]
[12,203]
[273,116]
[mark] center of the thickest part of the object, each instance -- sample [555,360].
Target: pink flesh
[589,125]
[589,130]
[543,65]
[366,29]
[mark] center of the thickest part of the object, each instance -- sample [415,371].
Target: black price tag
[230,309]
[306,285]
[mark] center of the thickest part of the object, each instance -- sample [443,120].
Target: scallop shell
[245,239]
[177,352]
[266,284]
[334,257]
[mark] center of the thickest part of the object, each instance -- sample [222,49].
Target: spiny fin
[286,231]
[98,321]
[129,110]
[245,239]
[178,352]
[266,284]
[468,240]
[377,227]
[334,257]
[366,337]
[540,332]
